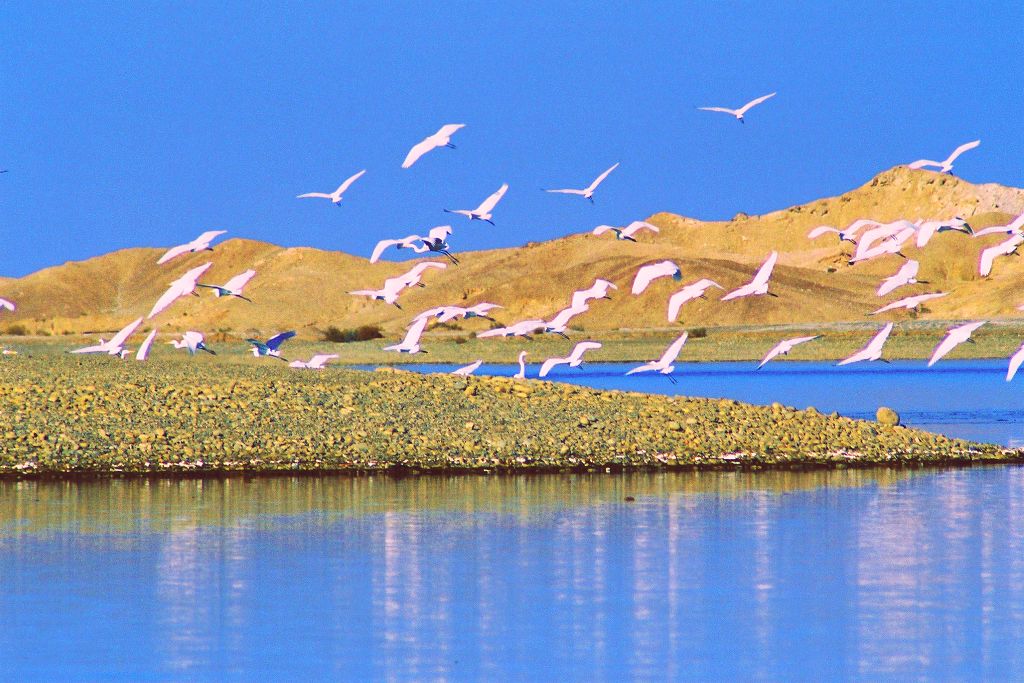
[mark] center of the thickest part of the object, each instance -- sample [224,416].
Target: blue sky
[131,124]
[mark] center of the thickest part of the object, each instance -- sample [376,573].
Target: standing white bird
[759,285]
[627,232]
[1014,227]
[408,242]
[738,113]
[947,165]
[649,273]
[147,344]
[909,303]
[183,286]
[201,243]
[598,290]
[906,275]
[522,366]
[232,287]
[114,346]
[573,360]
[483,212]
[8,304]
[442,138]
[1004,248]
[317,362]
[522,329]
[688,293]
[335,196]
[873,350]
[784,347]
[272,347]
[193,342]
[467,370]
[664,365]
[954,337]
[588,191]
[411,342]
[1015,362]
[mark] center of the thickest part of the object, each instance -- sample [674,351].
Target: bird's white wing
[496,332]
[765,271]
[366,292]
[948,343]
[721,109]
[449,129]
[546,366]
[775,351]
[567,191]
[381,247]
[676,301]
[921,163]
[637,226]
[98,348]
[987,257]
[8,304]
[441,232]
[821,230]
[646,274]
[348,183]
[147,343]
[319,360]
[1015,362]
[909,270]
[878,341]
[601,229]
[421,268]
[961,149]
[753,103]
[415,331]
[672,352]
[581,348]
[204,240]
[432,312]
[239,281]
[646,367]
[418,150]
[190,276]
[563,317]
[173,252]
[600,179]
[468,369]
[122,336]
[488,204]
[318,195]
[165,300]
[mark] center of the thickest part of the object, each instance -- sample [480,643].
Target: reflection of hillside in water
[137,505]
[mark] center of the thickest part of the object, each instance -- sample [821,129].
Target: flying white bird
[143,352]
[928,228]
[947,165]
[232,287]
[1002,249]
[891,245]
[436,242]
[845,235]
[598,290]
[873,350]
[271,347]
[183,286]
[1014,227]
[904,229]
[443,314]
[954,337]
[467,370]
[559,324]
[909,303]
[193,342]
[115,346]
[588,192]
[412,277]
[335,196]
[664,365]
[317,362]
[759,285]
[388,293]
[441,138]
[573,360]
[627,232]
[688,293]
[906,275]
[784,347]
[6,303]
[201,243]
[522,366]
[411,342]
[521,329]
[483,212]
[738,113]
[647,274]
[408,242]
[1015,361]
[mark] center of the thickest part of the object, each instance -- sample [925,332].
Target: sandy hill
[306,288]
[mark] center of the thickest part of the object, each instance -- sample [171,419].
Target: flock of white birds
[872,239]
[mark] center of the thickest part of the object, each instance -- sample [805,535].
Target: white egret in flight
[183,286]
[955,336]
[271,347]
[598,290]
[845,235]
[114,346]
[335,196]
[483,212]
[873,350]
[147,344]
[649,273]
[559,324]
[411,342]
[201,243]
[467,370]
[906,275]
[441,138]
[627,232]
[759,285]
[408,242]
[1004,248]
[317,362]
[927,229]
[664,365]
[232,287]
[1014,227]
[738,113]
[437,242]
[588,191]
[909,303]
[8,304]
[784,347]
[688,293]
[573,360]
[1015,362]
[521,329]
[947,165]
[193,342]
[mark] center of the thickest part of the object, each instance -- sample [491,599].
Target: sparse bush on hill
[699,332]
[16,330]
[362,333]
[461,340]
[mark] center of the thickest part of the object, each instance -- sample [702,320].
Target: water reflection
[721,575]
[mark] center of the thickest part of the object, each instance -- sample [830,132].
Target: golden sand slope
[305,288]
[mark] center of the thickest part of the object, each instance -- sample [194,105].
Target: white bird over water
[147,344]
[411,342]
[909,303]
[598,290]
[335,196]
[1004,248]
[588,191]
[955,336]
[664,365]
[738,113]
[1014,227]
[317,362]
[115,346]
[688,293]
[649,273]
[8,304]
[442,138]
[522,366]
[784,347]
[759,285]
[232,287]
[201,243]
[483,212]
[1015,362]
[573,360]
[467,370]
[407,242]
[193,341]
[873,350]
[183,286]
[627,232]
[947,165]
[906,275]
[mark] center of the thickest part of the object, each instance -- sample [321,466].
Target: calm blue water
[726,576]
[966,399]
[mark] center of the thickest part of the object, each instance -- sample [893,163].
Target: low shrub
[361,333]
